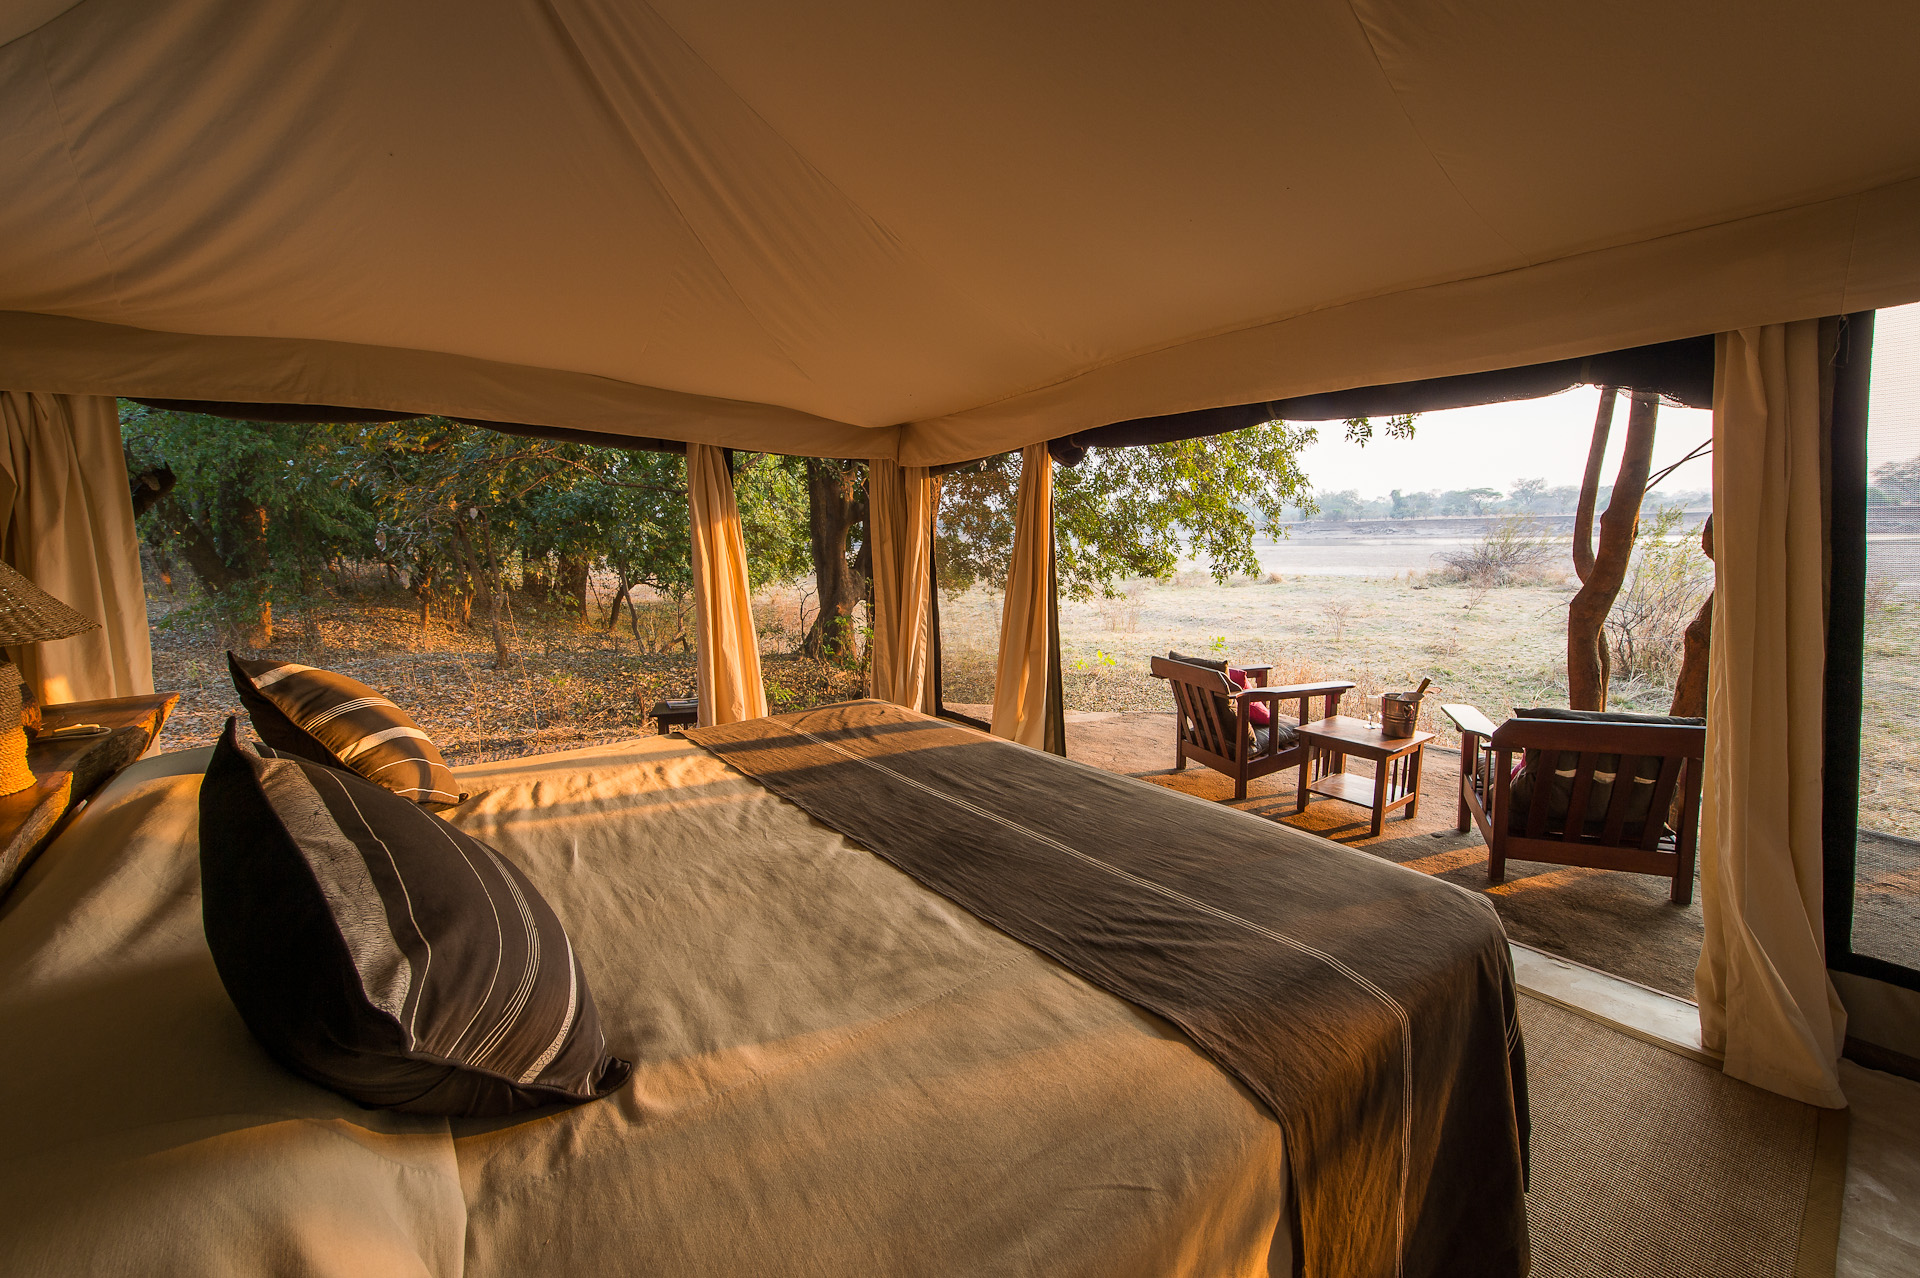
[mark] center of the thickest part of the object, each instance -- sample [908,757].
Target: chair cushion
[1281,735]
[1258,712]
[1533,765]
[341,722]
[377,951]
[1606,716]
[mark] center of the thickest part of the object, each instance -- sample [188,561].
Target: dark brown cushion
[381,953]
[1559,772]
[331,719]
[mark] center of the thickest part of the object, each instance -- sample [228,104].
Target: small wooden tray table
[1396,767]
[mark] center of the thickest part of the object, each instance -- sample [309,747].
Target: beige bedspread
[837,1071]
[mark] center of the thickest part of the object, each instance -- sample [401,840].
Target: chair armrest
[1256,673]
[1468,720]
[1309,689]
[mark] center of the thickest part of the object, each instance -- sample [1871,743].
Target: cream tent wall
[923,231]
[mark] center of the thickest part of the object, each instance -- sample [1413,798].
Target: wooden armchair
[1573,762]
[1213,725]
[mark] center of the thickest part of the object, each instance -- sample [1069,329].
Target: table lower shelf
[1349,788]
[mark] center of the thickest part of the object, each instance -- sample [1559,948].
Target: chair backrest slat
[1539,802]
[1194,691]
[1662,801]
[1624,784]
[1690,803]
[1183,712]
[1216,739]
[1576,822]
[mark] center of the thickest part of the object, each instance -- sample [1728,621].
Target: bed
[837,1070]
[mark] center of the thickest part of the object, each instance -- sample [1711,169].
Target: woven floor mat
[1648,1163]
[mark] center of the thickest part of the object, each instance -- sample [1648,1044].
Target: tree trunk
[150,487]
[469,569]
[1590,484]
[620,596]
[1587,661]
[495,588]
[834,506]
[198,549]
[1690,689]
[570,581]
[259,633]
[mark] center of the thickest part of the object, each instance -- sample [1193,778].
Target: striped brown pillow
[342,723]
[375,949]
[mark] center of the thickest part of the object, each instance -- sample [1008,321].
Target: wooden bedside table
[69,770]
[1396,767]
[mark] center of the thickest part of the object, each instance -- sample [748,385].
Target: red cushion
[1259,714]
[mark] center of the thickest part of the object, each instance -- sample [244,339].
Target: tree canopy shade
[786,228]
[259,509]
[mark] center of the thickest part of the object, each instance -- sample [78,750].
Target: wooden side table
[675,712]
[1396,767]
[68,770]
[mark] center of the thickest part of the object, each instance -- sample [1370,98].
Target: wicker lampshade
[28,614]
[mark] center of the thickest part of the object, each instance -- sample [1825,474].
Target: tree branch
[1590,484]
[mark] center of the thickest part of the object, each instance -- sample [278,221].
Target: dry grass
[1889,765]
[1509,650]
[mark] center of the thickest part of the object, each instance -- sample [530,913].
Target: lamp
[28,614]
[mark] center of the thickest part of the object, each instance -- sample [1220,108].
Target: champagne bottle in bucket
[1399,711]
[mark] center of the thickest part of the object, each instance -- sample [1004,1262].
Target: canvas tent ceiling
[865,228]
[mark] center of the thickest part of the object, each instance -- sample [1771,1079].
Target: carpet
[1649,1163]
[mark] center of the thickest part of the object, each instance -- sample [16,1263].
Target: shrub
[1121,609]
[1514,552]
[1337,612]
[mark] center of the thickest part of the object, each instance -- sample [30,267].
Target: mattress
[836,1070]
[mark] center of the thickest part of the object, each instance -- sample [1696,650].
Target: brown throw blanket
[1371,1007]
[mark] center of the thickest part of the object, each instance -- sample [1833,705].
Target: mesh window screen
[1887,883]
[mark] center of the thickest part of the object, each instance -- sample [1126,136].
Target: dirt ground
[569,683]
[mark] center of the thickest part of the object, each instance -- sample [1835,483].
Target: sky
[1493,445]
[1893,405]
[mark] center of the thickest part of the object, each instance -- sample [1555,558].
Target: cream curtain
[1766,1002]
[66,522]
[729,647]
[1020,686]
[900,505]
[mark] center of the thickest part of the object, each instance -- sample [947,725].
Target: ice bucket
[1399,711]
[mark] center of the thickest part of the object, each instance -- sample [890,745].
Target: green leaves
[1360,429]
[280,501]
[1132,512]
